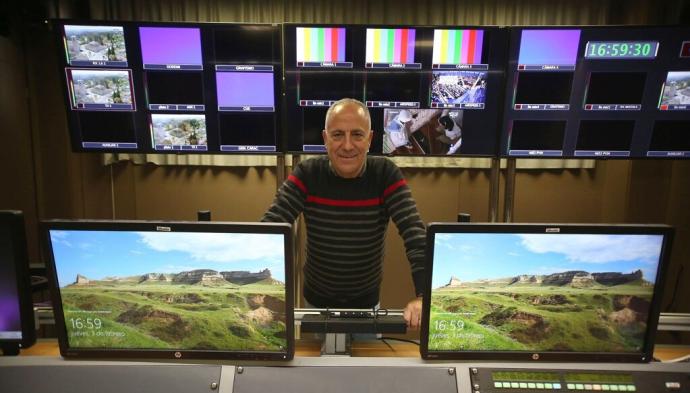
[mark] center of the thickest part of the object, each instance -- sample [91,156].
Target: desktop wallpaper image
[172,290]
[542,292]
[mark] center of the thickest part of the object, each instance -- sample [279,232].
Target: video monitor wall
[430,91]
[597,92]
[162,87]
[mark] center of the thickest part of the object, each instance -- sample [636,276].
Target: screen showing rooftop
[102,46]
[200,291]
[543,292]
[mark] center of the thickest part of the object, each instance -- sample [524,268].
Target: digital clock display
[621,49]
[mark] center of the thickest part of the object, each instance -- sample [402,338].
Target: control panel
[504,380]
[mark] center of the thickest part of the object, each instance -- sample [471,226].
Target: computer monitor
[16,311]
[552,292]
[142,289]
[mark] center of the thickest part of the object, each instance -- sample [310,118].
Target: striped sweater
[346,223]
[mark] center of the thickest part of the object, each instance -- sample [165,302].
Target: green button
[605,387]
[631,388]
[498,385]
[588,386]
[514,385]
[548,386]
[579,386]
[622,388]
[540,385]
[532,385]
[614,388]
[523,385]
[570,386]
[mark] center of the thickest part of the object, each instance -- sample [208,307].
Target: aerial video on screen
[458,87]
[98,44]
[542,292]
[178,130]
[677,88]
[100,89]
[153,290]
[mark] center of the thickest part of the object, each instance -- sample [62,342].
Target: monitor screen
[171,48]
[458,89]
[181,132]
[537,138]
[670,138]
[100,90]
[457,47]
[172,289]
[16,310]
[321,47]
[548,49]
[544,292]
[675,94]
[391,48]
[615,91]
[102,46]
[245,91]
[604,138]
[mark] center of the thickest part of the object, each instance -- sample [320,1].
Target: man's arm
[289,200]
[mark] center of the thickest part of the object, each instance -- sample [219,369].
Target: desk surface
[367,348]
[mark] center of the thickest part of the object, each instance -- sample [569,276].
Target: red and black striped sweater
[346,223]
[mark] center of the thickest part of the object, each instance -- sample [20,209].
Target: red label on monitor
[685,49]
[664,107]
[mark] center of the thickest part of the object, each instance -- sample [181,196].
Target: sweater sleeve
[289,200]
[402,208]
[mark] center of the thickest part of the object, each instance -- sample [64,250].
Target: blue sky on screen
[474,256]
[99,254]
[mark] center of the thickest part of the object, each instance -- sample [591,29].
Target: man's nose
[347,142]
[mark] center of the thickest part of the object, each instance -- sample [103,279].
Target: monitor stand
[336,344]
[9,349]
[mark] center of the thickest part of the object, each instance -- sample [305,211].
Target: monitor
[552,292]
[455,49]
[321,47]
[142,289]
[391,48]
[16,308]
[121,77]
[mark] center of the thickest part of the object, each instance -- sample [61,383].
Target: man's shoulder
[313,164]
[381,165]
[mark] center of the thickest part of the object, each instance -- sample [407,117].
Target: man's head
[347,136]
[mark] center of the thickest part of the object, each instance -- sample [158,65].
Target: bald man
[348,199]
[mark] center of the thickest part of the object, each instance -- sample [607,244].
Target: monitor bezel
[645,355]
[171,226]
[14,219]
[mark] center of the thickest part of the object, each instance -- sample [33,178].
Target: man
[347,199]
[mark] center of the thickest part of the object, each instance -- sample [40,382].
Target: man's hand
[413,313]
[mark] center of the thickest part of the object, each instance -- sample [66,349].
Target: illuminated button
[614,388]
[548,385]
[514,385]
[556,386]
[596,387]
[570,386]
[540,385]
[631,388]
[622,388]
[673,385]
[579,386]
[532,385]
[588,386]
[498,385]
[523,385]
[605,387]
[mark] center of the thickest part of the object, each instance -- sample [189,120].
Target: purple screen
[170,45]
[549,47]
[245,88]
[10,319]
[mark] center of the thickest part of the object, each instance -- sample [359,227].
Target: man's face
[347,138]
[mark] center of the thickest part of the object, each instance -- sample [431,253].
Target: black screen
[544,88]
[107,127]
[393,86]
[244,44]
[184,88]
[249,129]
[326,85]
[616,88]
[605,135]
[537,135]
[671,135]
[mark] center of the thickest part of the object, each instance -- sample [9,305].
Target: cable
[384,338]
